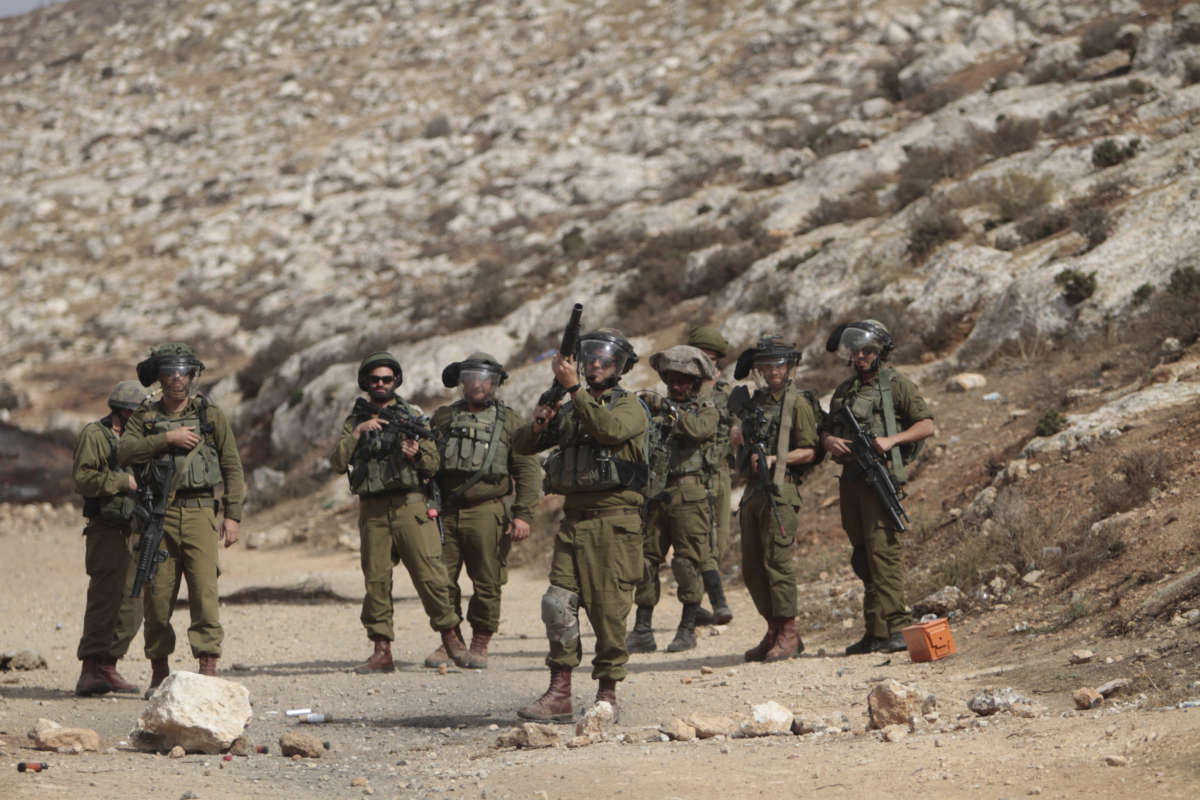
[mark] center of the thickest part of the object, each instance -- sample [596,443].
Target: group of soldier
[641,474]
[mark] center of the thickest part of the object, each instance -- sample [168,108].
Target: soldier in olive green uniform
[478,472]
[390,472]
[718,467]
[111,618]
[680,515]
[887,406]
[784,422]
[599,465]
[188,430]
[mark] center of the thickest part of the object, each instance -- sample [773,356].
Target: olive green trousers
[767,567]
[475,538]
[877,558]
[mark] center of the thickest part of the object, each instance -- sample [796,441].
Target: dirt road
[416,733]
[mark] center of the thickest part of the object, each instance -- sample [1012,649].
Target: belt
[602,512]
[192,501]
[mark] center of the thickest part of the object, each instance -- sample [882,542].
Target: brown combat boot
[787,641]
[442,656]
[608,693]
[477,656]
[159,670]
[208,664]
[108,668]
[555,704]
[380,660]
[91,680]
[759,651]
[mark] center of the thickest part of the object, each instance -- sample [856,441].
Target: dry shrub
[1133,482]
[1017,192]
[1099,38]
[1042,223]
[957,565]
[1094,224]
[941,95]
[861,203]
[1021,529]
[932,228]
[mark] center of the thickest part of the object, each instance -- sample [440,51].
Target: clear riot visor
[601,353]
[858,340]
[474,379]
[176,370]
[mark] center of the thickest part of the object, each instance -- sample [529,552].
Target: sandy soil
[417,733]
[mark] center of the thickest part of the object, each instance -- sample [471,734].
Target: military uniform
[190,528]
[877,556]
[476,477]
[719,462]
[766,550]
[597,557]
[111,618]
[394,526]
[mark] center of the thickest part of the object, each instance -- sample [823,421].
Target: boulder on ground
[893,703]
[992,701]
[295,743]
[767,719]
[202,714]
[49,735]
[710,725]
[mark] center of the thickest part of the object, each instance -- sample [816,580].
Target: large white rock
[767,719]
[201,714]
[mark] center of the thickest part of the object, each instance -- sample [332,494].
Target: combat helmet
[852,337]
[686,360]
[770,347]
[707,338]
[127,395]
[381,358]
[478,361]
[169,355]
[611,343]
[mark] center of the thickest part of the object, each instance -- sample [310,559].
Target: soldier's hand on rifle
[518,529]
[372,424]
[409,447]
[132,484]
[542,416]
[229,531]
[883,444]
[835,445]
[564,370]
[184,438]
[754,462]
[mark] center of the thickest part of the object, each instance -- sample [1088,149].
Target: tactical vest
[465,442]
[379,465]
[877,416]
[687,456]
[719,454]
[580,464]
[774,415]
[115,507]
[195,469]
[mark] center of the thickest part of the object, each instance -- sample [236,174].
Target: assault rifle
[874,469]
[400,425]
[754,433]
[566,348]
[150,513]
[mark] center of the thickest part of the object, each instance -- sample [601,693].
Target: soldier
[599,465]
[719,458]
[888,407]
[783,423]
[183,427]
[478,472]
[389,471]
[111,618]
[680,515]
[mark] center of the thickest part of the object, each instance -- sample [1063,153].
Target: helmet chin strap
[604,385]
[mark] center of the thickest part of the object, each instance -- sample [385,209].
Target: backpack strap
[785,436]
[889,422]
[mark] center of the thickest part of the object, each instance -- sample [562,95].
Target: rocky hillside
[289,184]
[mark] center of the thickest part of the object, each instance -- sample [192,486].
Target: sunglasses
[384,379]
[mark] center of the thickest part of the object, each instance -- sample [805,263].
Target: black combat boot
[641,638]
[685,635]
[720,615]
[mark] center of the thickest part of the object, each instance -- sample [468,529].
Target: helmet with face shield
[868,336]
[172,358]
[473,373]
[771,350]
[604,356]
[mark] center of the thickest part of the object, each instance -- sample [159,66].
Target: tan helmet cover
[684,359]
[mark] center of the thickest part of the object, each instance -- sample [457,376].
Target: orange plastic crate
[929,641]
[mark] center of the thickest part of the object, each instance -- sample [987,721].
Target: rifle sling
[785,436]
[889,423]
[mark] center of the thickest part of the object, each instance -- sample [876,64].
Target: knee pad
[560,612]
[685,571]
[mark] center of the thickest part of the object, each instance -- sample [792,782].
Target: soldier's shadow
[669,662]
[319,667]
[44,693]
[432,721]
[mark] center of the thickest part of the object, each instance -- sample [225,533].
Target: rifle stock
[875,471]
[566,348]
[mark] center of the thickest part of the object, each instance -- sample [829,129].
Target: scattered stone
[531,735]
[941,602]
[242,747]
[1032,577]
[597,721]
[706,670]
[1086,698]
[1112,687]
[1116,761]
[991,701]
[359,781]
[966,381]
[301,745]
[1081,656]
[177,752]
[710,725]
[678,730]
[1027,710]
[49,735]
[767,719]
[893,703]
[201,713]
[22,660]
[894,733]
[579,741]
[806,722]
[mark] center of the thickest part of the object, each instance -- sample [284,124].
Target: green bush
[295,398]
[1076,286]
[1184,283]
[1142,293]
[1050,423]
[1108,153]
[573,243]
[1093,224]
